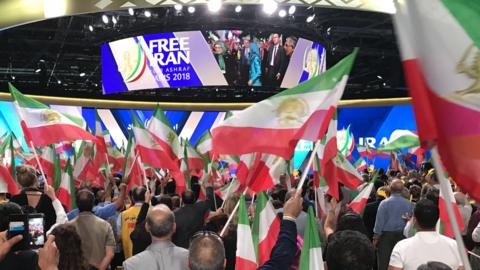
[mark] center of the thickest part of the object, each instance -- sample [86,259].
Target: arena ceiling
[61,56]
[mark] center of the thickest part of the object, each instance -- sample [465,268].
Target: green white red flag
[266,226]
[440,55]
[151,151]
[245,255]
[204,144]
[66,190]
[359,202]
[365,151]
[277,123]
[400,139]
[228,189]
[260,172]
[8,180]
[43,126]
[360,164]
[132,170]
[311,256]
[165,135]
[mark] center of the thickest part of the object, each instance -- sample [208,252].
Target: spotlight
[269,6]
[178,7]
[379,77]
[13,77]
[310,18]
[147,14]
[130,11]
[238,9]
[292,10]
[114,20]
[90,27]
[214,5]
[282,13]
[82,74]
[38,70]
[191,10]
[105,19]
[178,89]
[59,82]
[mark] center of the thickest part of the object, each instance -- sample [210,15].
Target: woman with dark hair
[69,246]
[31,199]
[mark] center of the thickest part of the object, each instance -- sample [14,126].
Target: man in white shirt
[427,245]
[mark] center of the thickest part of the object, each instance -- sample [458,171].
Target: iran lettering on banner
[275,125]
[311,255]
[440,55]
[43,126]
[245,255]
[266,227]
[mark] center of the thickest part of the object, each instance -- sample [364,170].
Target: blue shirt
[390,212]
[103,212]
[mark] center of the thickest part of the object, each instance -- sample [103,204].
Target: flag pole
[233,214]
[228,192]
[309,164]
[445,185]
[38,162]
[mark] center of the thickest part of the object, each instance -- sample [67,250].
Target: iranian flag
[204,144]
[360,164]
[365,151]
[446,227]
[341,170]
[66,190]
[400,139]
[101,145]
[115,156]
[195,160]
[8,180]
[358,204]
[275,125]
[419,153]
[43,126]
[327,151]
[47,160]
[228,189]
[260,172]
[320,185]
[345,142]
[7,152]
[311,256]
[84,169]
[245,256]
[165,135]
[266,226]
[149,148]
[440,57]
[395,163]
[380,154]
[132,171]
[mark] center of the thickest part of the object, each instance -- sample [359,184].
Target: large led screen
[209,58]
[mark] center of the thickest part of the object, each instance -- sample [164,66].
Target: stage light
[292,10]
[114,20]
[105,19]
[191,10]
[82,74]
[310,18]
[379,77]
[214,5]
[59,82]
[13,77]
[38,70]
[147,14]
[238,9]
[90,27]
[131,12]
[269,6]
[282,13]
[178,7]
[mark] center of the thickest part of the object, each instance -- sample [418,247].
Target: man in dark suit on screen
[275,64]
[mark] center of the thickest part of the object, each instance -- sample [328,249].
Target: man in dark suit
[191,217]
[274,66]
[244,63]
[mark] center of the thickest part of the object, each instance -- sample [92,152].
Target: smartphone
[36,230]
[18,226]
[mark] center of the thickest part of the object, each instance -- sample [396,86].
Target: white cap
[3,187]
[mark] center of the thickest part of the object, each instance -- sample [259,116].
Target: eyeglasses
[206,234]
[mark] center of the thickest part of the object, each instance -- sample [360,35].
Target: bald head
[206,253]
[396,186]
[160,221]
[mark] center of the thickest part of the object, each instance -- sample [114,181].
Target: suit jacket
[278,61]
[160,255]
[190,219]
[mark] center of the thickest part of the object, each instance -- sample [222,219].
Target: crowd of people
[153,227]
[252,61]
